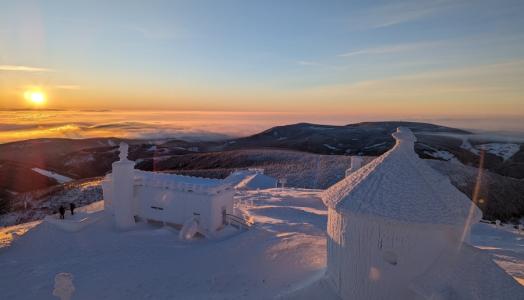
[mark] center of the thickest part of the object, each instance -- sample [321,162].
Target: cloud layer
[15,68]
[194,126]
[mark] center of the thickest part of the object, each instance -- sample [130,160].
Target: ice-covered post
[123,177]
[356,163]
[283,182]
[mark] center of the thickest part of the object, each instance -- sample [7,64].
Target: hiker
[72,208]
[61,210]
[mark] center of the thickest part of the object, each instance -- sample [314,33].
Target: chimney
[356,163]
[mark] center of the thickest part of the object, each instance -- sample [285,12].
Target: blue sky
[426,57]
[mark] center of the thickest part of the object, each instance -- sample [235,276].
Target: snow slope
[59,178]
[503,150]
[153,263]
[506,151]
[505,243]
[285,250]
[43,202]
[441,154]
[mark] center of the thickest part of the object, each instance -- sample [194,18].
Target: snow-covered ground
[506,151]
[505,243]
[467,146]
[503,150]
[257,181]
[285,249]
[444,155]
[44,202]
[59,178]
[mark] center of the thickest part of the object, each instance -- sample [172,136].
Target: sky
[382,59]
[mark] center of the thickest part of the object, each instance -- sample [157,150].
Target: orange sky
[378,60]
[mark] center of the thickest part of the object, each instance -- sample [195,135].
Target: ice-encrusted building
[132,195]
[396,230]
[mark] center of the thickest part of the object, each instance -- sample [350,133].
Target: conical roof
[399,185]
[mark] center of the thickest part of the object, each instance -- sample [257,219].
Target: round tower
[389,221]
[122,192]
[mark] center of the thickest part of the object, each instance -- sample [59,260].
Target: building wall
[107,190]
[123,190]
[162,201]
[175,206]
[223,200]
[372,258]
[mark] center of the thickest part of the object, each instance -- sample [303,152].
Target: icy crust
[181,182]
[399,185]
[467,273]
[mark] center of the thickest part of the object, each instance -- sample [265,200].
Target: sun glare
[35,97]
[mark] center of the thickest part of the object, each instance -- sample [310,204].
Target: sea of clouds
[16,125]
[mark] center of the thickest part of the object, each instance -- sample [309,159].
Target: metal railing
[238,222]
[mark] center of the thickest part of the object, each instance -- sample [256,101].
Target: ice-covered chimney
[123,180]
[356,163]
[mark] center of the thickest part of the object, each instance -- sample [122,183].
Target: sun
[36,97]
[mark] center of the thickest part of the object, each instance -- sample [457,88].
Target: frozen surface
[180,179]
[79,192]
[399,185]
[503,150]
[59,178]
[506,151]
[467,273]
[466,145]
[441,154]
[286,250]
[257,181]
[189,229]
[504,243]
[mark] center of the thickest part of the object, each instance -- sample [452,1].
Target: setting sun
[35,97]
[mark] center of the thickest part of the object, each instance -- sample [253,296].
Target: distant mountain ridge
[294,147]
[367,138]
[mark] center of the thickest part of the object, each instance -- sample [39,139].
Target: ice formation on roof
[181,182]
[399,185]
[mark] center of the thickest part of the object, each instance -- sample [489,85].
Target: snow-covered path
[285,249]
[59,178]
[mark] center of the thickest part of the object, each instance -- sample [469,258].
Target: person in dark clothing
[61,210]
[72,208]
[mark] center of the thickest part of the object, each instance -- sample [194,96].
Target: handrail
[241,221]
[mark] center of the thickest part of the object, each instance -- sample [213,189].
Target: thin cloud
[311,63]
[67,87]
[391,49]
[308,63]
[484,82]
[15,68]
[391,14]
